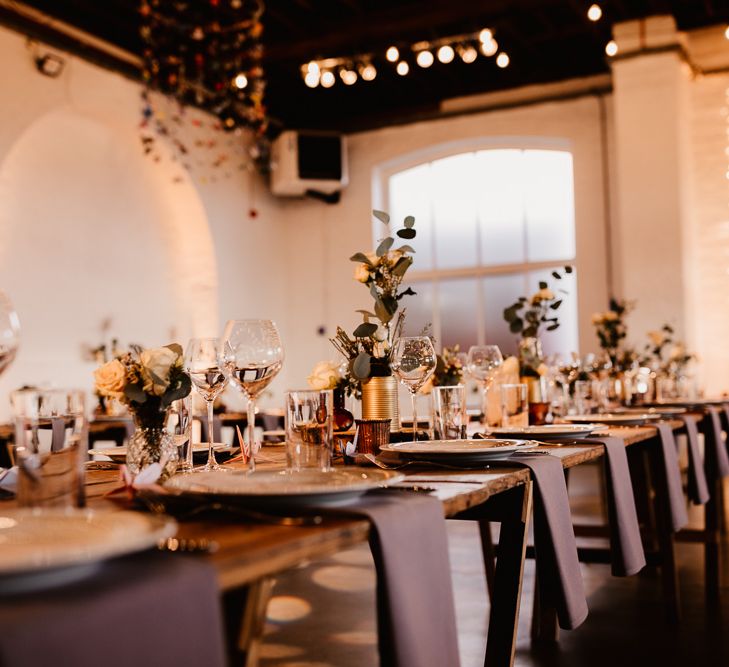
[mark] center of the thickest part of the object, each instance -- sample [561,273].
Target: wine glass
[253,358]
[413,362]
[483,362]
[9,332]
[203,364]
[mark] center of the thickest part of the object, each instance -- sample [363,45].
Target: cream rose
[380,335]
[362,273]
[657,338]
[156,366]
[109,379]
[374,259]
[597,318]
[611,316]
[325,375]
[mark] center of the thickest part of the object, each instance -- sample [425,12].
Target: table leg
[489,555]
[712,530]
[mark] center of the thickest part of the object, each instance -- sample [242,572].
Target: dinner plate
[466,451]
[687,402]
[307,487]
[48,547]
[614,419]
[665,411]
[546,431]
[119,454]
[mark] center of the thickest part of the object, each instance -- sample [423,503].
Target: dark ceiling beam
[395,22]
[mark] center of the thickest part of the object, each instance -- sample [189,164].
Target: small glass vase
[152,445]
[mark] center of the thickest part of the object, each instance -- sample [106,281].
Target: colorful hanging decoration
[205,53]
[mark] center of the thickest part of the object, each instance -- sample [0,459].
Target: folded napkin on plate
[626,546]
[669,455]
[558,568]
[151,609]
[716,460]
[416,620]
[698,489]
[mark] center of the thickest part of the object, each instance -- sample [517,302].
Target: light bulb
[348,76]
[240,81]
[368,72]
[446,54]
[312,79]
[502,60]
[594,13]
[402,68]
[726,33]
[327,79]
[392,54]
[313,66]
[468,54]
[485,35]
[425,59]
[611,48]
[489,48]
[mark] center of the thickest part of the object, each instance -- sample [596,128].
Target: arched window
[491,224]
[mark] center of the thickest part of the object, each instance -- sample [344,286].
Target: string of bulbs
[322,72]
[467,47]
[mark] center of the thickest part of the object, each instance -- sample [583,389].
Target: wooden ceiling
[547,40]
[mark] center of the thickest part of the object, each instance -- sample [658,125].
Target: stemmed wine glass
[483,362]
[413,362]
[203,364]
[253,358]
[9,332]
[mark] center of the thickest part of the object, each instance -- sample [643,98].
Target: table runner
[626,546]
[669,456]
[151,609]
[716,459]
[558,568]
[416,619]
[698,489]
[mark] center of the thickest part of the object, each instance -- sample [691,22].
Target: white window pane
[549,205]
[452,189]
[458,303]
[409,196]
[419,308]
[500,202]
[565,339]
[500,292]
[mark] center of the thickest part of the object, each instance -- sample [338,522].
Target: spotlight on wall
[348,76]
[611,48]
[50,65]
[502,60]
[726,33]
[489,48]
[392,54]
[594,13]
[468,54]
[425,58]
[368,72]
[327,78]
[402,68]
[446,54]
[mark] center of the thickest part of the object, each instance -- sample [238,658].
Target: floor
[322,614]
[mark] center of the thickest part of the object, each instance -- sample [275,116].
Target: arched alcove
[90,229]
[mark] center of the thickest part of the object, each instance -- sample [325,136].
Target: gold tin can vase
[379,400]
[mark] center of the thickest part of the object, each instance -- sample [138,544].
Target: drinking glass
[309,431]
[51,438]
[254,357]
[601,394]
[483,362]
[203,360]
[449,412]
[9,332]
[179,425]
[582,397]
[413,362]
[514,405]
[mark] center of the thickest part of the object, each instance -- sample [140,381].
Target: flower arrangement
[369,347]
[448,370]
[146,381]
[611,331]
[665,353]
[527,315]
[331,375]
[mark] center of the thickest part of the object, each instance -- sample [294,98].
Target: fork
[428,464]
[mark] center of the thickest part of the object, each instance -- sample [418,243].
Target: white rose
[380,335]
[109,379]
[156,366]
[657,338]
[374,259]
[362,273]
[325,375]
[393,256]
[380,349]
[678,351]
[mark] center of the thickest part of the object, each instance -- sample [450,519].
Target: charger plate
[615,419]
[547,431]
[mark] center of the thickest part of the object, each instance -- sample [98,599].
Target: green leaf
[542,285]
[552,327]
[406,233]
[181,390]
[384,246]
[568,269]
[176,348]
[360,257]
[134,392]
[406,248]
[556,304]
[373,291]
[382,313]
[409,221]
[406,292]
[403,264]
[366,313]
[382,216]
[362,366]
[365,330]
[556,275]
[516,325]
[530,332]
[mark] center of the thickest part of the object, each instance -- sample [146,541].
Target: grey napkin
[698,489]
[416,619]
[58,433]
[152,609]
[676,502]
[626,546]
[558,567]
[716,460]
